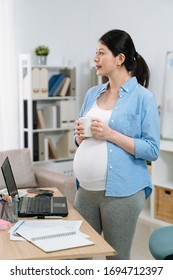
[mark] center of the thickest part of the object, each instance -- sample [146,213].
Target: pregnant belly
[90,161]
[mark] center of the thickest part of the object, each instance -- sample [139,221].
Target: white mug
[86,122]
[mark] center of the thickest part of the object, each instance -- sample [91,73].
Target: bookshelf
[47,110]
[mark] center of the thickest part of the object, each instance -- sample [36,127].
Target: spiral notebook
[54,239]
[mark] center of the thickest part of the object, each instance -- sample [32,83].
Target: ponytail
[141,70]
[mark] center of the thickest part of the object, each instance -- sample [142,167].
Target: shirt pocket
[132,125]
[128,124]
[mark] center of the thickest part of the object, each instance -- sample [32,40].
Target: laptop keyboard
[36,205]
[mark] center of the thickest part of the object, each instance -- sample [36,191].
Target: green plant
[42,50]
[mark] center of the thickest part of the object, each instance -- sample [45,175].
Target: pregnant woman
[110,167]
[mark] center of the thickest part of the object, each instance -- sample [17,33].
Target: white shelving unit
[52,143]
[162,180]
[162,173]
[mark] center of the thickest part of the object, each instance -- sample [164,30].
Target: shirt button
[121,96]
[110,166]
[116,108]
[110,151]
[112,121]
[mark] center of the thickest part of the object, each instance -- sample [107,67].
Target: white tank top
[90,161]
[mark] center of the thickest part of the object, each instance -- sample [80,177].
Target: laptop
[38,206]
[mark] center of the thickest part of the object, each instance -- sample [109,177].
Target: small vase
[41,59]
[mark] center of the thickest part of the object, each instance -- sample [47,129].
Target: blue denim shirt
[135,114]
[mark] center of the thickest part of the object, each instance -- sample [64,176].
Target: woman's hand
[103,132]
[100,130]
[79,130]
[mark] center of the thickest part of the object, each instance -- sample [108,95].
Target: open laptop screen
[9,178]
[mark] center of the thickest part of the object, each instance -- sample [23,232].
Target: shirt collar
[129,85]
[126,87]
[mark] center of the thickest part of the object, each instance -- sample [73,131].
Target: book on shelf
[40,119]
[46,149]
[67,113]
[25,139]
[40,82]
[35,147]
[71,73]
[54,82]
[72,88]
[39,147]
[34,111]
[35,81]
[50,151]
[51,116]
[66,146]
[43,82]
[34,114]
[59,87]
[25,108]
[65,87]
[53,154]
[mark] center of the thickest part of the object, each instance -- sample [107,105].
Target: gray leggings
[116,217]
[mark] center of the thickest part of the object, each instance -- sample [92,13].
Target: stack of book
[53,146]
[58,85]
[42,86]
[60,115]
[44,147]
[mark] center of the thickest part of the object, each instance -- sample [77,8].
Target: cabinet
[47,121]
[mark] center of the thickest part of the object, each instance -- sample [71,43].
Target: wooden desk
[22,250]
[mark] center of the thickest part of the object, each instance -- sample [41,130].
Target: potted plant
[42,53]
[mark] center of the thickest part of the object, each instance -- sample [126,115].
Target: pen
[19,226]
[48,217]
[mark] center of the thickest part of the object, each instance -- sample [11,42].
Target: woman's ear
[121,59]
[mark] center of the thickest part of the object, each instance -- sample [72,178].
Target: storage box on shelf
[48,110]
[164,204]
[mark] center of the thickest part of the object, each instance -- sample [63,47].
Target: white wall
[71,28]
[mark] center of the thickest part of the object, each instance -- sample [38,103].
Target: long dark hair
[119,41]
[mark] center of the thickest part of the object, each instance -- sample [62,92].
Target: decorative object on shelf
[42,53]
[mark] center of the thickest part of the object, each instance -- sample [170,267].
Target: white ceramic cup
[86,122]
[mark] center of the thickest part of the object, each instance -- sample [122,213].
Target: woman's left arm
[101,131]
[146,146]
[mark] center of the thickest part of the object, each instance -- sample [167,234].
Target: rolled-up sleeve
[148,146]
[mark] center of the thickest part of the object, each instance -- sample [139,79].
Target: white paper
[52,235]
[72,225]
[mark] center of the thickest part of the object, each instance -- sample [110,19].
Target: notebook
[51,236]
[40,206]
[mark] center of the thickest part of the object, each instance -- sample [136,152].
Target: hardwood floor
[140,247]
